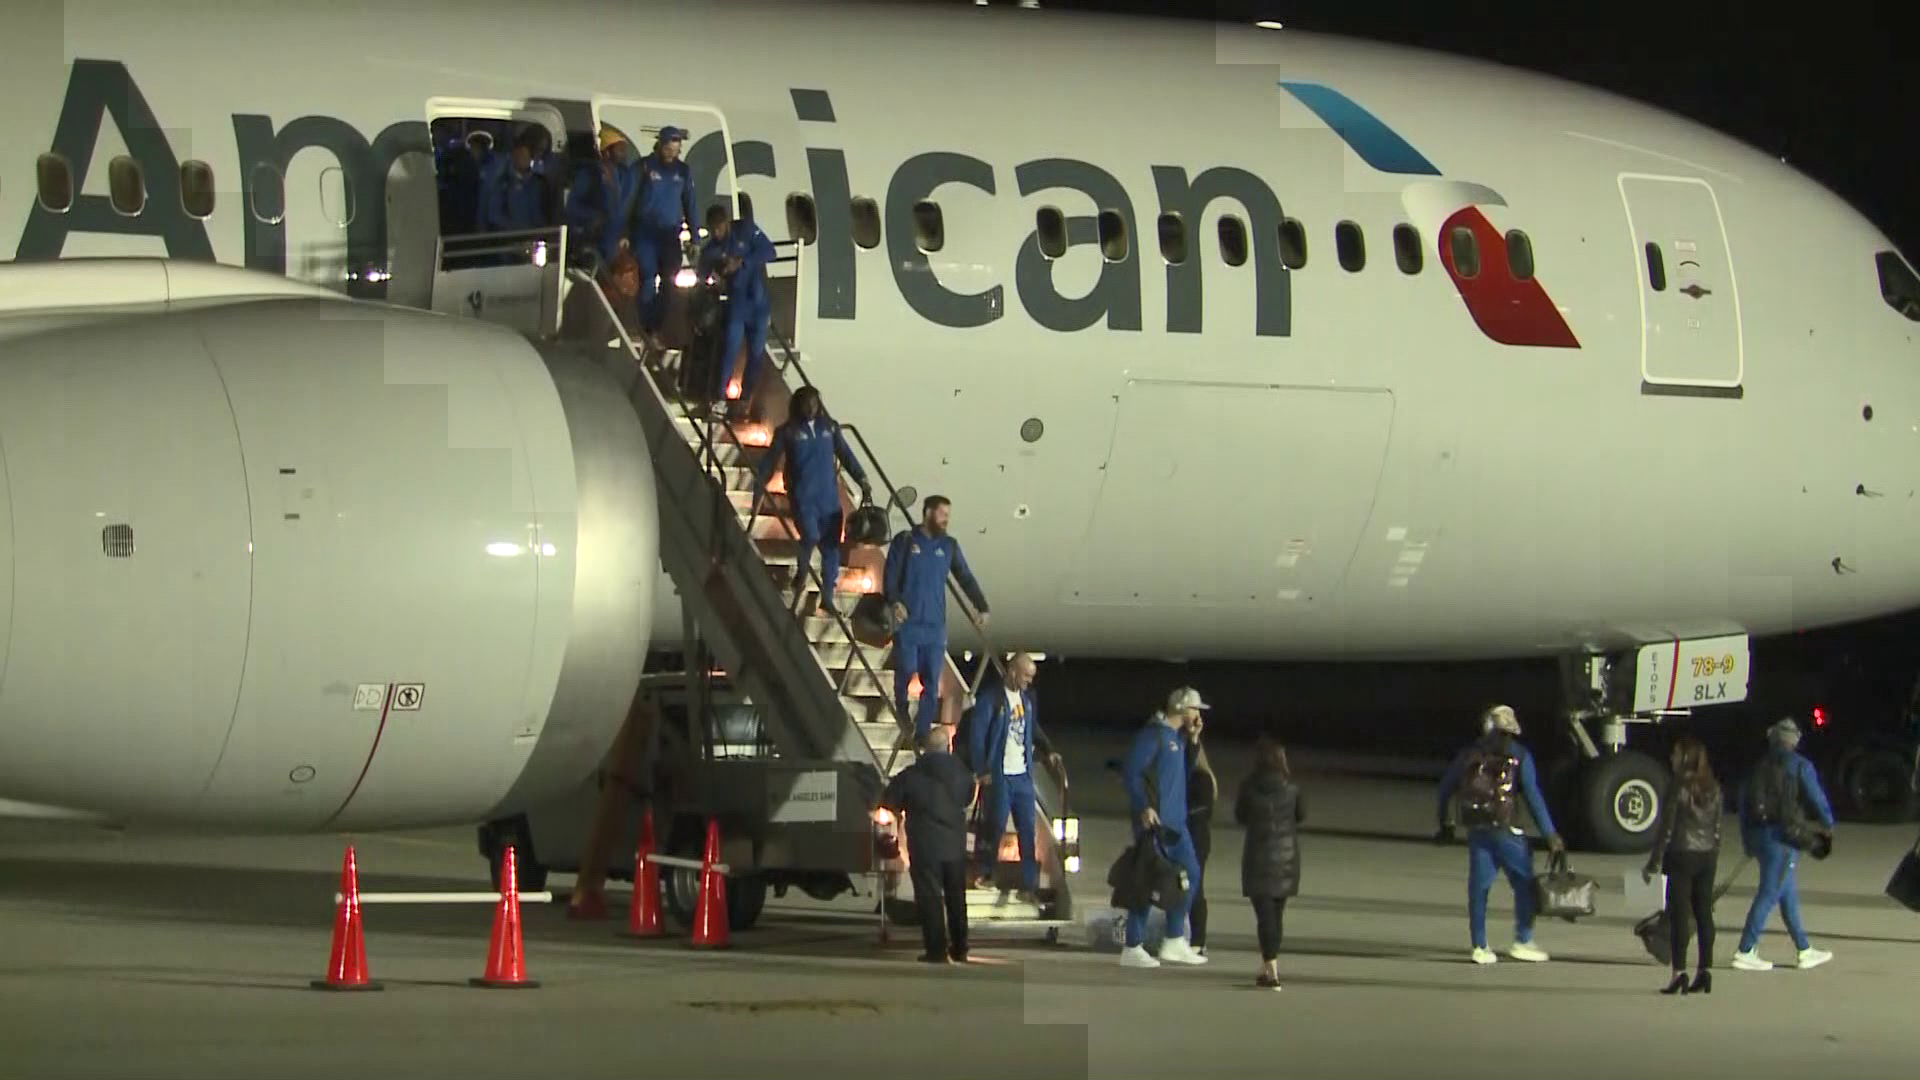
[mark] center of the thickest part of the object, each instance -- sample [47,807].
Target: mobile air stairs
[819,678]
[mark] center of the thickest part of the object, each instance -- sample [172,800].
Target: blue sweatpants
[1010,794]
[1182,854]
[927,658]
[1491,852]
[747,321]
[1779,886]
[659,256]
[821,529]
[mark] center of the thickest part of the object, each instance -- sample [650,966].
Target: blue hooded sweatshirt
[1805,777]
[746,242]
[917,568]
[602,210]
[1158,753]
[666,195]
[807,449]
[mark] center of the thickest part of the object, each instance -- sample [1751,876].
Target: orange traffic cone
[710,913]
[347,964]
[506,961]
[643,919]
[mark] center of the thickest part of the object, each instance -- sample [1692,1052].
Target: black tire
[746,899]
[532,875]
[1876,785]
[1622,801]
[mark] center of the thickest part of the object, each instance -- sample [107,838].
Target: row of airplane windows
[127,192]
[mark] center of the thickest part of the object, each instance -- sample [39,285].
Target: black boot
[1678,985]
[1702,983]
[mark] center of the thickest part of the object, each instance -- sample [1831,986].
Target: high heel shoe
[1702,983]
[1678,985]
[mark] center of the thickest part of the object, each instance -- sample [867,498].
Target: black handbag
[868,525]
[1563,894]
[1904,885]
[1654,931]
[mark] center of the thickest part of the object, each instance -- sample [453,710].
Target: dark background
[1823,86]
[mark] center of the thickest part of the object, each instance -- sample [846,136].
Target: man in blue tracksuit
[739,252]
[1002,729]
[665,205]
[1793,778]
[513,198]
[1155,772]
[1488,776]
[600,203]
[918,562]
[809,443]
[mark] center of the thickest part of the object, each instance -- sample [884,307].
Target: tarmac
[128,955]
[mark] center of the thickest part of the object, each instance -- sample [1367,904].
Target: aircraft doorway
[500,252]
[1689,307]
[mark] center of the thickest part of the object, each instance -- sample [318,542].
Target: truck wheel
[1622,801]
[533,876]
[1877,785]
[746,899]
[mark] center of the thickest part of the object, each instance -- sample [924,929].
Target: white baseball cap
[1500,718]
[1185,698]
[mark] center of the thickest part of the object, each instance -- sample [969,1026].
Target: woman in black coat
[1270,810]
[1202,789]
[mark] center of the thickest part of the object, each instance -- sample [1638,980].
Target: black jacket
[1689,822]
[933,792]
[1269,807]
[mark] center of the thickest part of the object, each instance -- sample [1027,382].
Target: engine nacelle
[293,564]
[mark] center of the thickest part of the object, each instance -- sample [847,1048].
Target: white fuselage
[1321,460]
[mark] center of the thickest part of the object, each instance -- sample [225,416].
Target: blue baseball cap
[672,134]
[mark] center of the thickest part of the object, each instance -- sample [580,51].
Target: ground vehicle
[804,825]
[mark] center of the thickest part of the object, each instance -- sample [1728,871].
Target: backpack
[1486,788]
[1771,798]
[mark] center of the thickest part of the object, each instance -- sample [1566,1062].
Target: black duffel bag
[1654,931]
[867,525]
[1563,894]
[1904,885]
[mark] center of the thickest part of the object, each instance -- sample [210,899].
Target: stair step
[986,905]
[881,735]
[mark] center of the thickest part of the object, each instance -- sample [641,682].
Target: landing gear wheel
[1622,801]
[1876,784]
[533,876]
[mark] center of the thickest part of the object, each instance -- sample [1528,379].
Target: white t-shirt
[1014,760]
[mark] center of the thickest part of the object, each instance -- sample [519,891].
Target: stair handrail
[715,469]
[991,655]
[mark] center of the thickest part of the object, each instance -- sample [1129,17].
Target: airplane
[1227,343]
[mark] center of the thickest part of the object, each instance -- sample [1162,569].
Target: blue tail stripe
[1377,144]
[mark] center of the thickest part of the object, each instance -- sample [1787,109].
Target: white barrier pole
[444,897]
[688,864]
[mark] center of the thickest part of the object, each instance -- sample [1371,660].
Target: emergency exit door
[1690,335]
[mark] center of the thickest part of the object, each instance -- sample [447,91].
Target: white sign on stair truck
[1690,674]
[804,796]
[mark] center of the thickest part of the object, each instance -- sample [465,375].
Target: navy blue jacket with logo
[917,568]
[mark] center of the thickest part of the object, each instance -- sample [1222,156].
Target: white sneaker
[1485,956]
[1135,956]
[1528,951]
[1175,950]
[1750,961]
[1812,958]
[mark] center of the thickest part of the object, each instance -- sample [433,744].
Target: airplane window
[1173,238]
[1293,244]
[1050,225]
[196,189]
[269,195]
[1898,285]
[1407,251]
[1233,241]
[1656,268]
[1520,255]
[56,183]
[1466,251]
[126,186]
[1351,245]
[866,223]
[803,218]
[929,226]
[1113,236]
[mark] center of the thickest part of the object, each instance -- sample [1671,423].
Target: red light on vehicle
[1819,717]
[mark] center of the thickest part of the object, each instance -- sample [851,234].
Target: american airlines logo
[1089,207]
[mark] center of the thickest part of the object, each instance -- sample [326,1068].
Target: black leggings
[1202,833]
[1690,876]
[1268,912]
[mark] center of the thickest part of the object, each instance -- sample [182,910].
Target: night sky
[1826,92]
